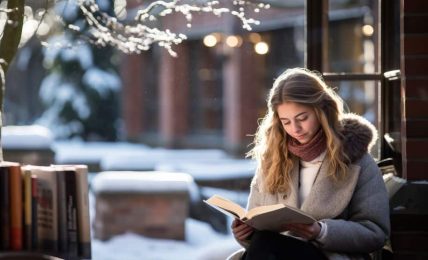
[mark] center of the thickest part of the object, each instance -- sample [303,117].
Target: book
[28,211]
[16,207]
[47,207]
[4,208]
[270,217]
[34,203]
[71,212]
[82,203]
[62,211]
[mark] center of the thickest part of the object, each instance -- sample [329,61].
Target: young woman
[313,156]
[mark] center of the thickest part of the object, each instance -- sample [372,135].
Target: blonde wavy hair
[270,150]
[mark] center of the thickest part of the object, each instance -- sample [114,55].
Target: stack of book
[45,209]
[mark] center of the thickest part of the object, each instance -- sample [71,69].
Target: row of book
[45,209]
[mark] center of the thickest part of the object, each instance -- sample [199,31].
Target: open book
[271,217]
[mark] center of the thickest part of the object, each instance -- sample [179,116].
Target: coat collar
[327,198]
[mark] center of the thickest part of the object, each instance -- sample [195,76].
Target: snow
[141,182]
[148,159]
[62,45]
[67,9]
[101,81]
[202,243]
[214,169]
[26,137]
[92,152]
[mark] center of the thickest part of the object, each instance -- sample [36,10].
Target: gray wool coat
[355,210]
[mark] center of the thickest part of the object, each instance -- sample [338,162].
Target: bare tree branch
[107,30]
[9,45]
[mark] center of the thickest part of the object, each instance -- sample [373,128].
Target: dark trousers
[271,246]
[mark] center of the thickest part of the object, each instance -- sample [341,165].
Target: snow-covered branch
[139,36]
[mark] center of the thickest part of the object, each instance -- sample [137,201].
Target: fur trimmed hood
[359,135]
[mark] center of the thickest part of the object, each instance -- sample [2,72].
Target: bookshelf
[45,212]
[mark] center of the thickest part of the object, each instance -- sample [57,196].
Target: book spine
[71,202]
[62,212]
[27,209]
[34,194]
[83,220]
[16,206]
[4,209]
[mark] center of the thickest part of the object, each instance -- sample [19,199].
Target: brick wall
[409,217]
[414,67]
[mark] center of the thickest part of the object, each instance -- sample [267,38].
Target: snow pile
[67,152]
[202,243]
[212,170]
[143,182]
[26,137]
[149,159]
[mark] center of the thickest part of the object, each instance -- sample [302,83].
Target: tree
[9,45]
[133,37]
[81,89]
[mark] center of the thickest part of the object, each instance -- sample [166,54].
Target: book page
[262,209]
[275,219]
[226,205]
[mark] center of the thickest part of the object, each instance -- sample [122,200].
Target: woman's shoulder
[366,161]
[368,168]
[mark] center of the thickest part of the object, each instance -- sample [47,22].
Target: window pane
[206,90]
[282,29]
[362,98]
[353,36]
[150,91]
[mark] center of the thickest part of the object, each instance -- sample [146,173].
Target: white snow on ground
[201,243]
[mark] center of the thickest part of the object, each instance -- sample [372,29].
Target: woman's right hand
[240,230]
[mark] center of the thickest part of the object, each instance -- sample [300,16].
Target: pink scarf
[311,150]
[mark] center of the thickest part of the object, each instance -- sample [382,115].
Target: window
[206,104]
[344,46]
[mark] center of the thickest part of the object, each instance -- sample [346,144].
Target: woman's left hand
[306,231]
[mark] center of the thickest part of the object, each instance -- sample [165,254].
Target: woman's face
[299,121]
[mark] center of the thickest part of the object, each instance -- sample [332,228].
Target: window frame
[316,31]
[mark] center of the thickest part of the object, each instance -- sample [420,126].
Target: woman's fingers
[241,230]
[244,233]
[309,232]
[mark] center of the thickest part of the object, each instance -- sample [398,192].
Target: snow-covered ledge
[141,182]
[29,144]
[151,203]
[26,137]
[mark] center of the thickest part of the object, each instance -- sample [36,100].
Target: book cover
[16,207]
[270,217]
[47,208]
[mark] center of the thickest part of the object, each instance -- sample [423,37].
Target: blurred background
[210,95]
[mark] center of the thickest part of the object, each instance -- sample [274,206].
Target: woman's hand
[240,230]
[306,231]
